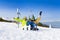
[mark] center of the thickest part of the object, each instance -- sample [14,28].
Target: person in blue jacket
[33,26]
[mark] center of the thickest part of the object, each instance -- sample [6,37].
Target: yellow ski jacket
[23,21]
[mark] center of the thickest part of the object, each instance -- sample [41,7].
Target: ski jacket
[23,21]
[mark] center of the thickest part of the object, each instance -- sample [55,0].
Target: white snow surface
[10,31]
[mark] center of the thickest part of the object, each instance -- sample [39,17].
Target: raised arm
[39,18]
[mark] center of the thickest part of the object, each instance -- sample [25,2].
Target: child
[32,25]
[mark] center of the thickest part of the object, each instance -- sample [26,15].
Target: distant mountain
[55,24]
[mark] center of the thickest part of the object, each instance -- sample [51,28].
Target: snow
[10,31]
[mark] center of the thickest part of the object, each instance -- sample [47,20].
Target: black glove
[40,13]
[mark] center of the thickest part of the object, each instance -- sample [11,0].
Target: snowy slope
[10,31]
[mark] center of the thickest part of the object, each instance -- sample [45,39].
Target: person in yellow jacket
[33,22]
[22,21]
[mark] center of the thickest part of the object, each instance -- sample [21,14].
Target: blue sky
[50,8]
